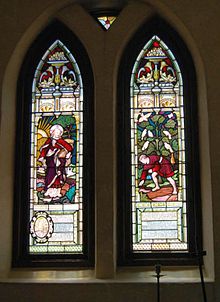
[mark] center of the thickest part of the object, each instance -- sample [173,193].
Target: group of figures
[157,129]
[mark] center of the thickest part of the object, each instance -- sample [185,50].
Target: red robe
[158,164]
[55,171]
[60,144]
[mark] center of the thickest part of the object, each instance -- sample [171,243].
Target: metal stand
[199,257]
[158,275]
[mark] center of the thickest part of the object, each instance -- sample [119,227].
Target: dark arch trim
[157,26]
[56,30]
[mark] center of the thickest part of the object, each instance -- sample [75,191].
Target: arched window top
[57,54]
[155,50]
[57,74]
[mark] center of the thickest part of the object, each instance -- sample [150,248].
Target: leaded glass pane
[158,176]
[56,154]
[106,21]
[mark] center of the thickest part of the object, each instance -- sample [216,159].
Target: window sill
[49,276]
[123,275]
[175,274]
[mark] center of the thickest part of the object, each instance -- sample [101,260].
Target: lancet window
[158,151]
[54,153]
[159,206]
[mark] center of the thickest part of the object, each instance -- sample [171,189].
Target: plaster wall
[197,23]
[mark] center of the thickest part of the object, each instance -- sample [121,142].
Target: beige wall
[198,23]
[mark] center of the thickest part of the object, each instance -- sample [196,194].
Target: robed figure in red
[55,155]
[156,165]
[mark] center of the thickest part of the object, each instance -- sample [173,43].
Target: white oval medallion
[41,227]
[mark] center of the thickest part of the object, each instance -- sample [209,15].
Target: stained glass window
[54,185]
[106,21]
[158,151]
[56,224]
[159,209]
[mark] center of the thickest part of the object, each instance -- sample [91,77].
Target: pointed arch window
[158,149]
[56,154]
[54,200]
[160,199]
